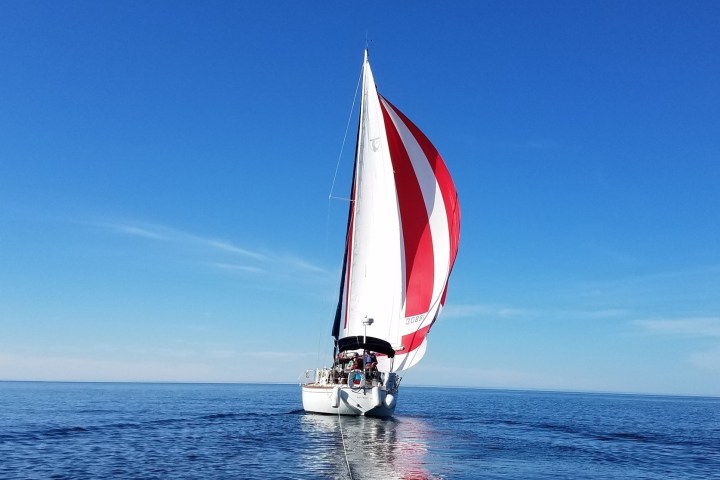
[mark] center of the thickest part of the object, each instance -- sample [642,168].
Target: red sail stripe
[417,238]
[411,341]
[442,175]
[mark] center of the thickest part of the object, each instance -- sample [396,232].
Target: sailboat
[402,238]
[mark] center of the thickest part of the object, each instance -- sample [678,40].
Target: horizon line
[468,387]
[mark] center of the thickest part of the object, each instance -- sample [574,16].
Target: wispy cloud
[481,310]
[153,365]
[168,234]
[707,327]
[495,378]
[594,314]
[504,311]
[269,355]
[136,231]
[228,247]
[234,267]
[707,359]
[650,280]
[301,264]
[216,252]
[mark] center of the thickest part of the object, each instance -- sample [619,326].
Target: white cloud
[303,264]
[707,359]
[490,378]
[228,353]
[481,310]
[172,235]
[649,282]
[694,327]
[503,311]
[224,251]
[282,355]
[136,231]
[235,267]
[209,364]
[702,327]
[228,247]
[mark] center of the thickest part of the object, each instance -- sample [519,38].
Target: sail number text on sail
[414,319]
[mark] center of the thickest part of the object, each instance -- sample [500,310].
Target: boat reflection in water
[376,448]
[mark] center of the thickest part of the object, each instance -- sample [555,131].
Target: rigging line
[342,437]
[347,129]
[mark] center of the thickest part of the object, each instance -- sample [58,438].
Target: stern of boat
[321,393]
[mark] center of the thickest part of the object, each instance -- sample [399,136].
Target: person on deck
[357,363]
[370,363]
[338,368]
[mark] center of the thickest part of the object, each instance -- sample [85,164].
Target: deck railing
[316,375]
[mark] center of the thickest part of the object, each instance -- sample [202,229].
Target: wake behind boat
[402,240]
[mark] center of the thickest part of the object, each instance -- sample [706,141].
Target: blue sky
[165,170]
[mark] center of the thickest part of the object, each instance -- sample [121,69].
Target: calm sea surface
[85,430]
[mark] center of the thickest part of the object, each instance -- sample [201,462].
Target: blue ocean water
[188,431]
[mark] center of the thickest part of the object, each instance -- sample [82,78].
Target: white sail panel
[407,360]
[374,287]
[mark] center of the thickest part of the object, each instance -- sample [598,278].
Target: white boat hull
[344,400]
[356,395]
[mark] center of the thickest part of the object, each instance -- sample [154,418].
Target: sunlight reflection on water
[375,448]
